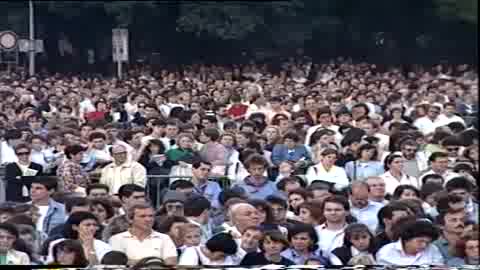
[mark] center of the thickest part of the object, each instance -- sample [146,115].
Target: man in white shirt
[414,246]
[431,121]
[331,233]
[141,241]
[450,110]
[439,165]
[364,210]
[371,129]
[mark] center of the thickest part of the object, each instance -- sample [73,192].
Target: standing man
[129,194]
[387,218]
[335,209]
[364,210]
[439,165]
[414,246]
[141,241]
[415,160]
[51,212]
[452,223]
[256,185]
[202,186]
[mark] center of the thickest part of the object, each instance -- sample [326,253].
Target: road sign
[120,44]
[25,45]
[8,40]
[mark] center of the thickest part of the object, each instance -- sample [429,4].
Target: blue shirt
[259,192]
[300,259]
[363,169]
[281,153]
[368,215]
[210,190]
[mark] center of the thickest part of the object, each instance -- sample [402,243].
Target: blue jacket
[258,192]
[56,215]
[281,153]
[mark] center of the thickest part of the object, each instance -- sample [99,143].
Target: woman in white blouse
[326,170]
[394,175]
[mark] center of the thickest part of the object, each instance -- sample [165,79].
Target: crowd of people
[339,163]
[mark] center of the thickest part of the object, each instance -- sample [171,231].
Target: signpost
[8,48]
[120,48]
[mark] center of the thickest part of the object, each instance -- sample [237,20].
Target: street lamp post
[31,56]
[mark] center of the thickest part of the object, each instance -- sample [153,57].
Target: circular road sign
[8,40]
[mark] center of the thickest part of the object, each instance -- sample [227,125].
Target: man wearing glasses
[121,171]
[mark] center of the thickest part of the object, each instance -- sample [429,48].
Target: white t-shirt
[42,209]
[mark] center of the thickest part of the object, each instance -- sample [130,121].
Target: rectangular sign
[120,44]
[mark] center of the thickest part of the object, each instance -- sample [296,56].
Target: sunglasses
[23,153]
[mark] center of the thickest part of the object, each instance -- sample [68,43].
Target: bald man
[364,210]
[243,216]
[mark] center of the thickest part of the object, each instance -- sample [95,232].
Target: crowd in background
[339,163]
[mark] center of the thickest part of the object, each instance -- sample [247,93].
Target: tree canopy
[329,24]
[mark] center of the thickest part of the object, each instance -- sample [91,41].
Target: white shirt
[447,175]
[453,118]
[368,214]
[393,254]
[7,153]
[391,183]
[328,239]
[426,125]
[194,255]
[42,210]
[384,141]
[335,175]
[156,244]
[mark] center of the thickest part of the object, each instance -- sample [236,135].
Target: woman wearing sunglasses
[17,173]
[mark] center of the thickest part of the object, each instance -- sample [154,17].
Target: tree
[466,10]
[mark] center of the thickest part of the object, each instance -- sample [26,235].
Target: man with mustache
[452,222]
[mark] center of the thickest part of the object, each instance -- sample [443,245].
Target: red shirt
[237,110]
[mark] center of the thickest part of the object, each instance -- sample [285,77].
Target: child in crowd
[358,242]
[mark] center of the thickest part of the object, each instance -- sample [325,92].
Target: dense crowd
[302,164]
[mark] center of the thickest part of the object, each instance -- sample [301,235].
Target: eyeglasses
[23,153]
[452,149]
[435,112]
[410,149]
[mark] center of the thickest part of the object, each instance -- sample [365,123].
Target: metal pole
[119,65]
[31,69]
